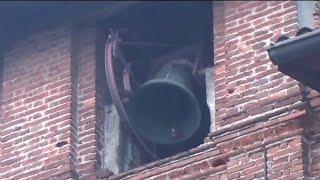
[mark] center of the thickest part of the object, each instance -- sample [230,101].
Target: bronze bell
[164,109]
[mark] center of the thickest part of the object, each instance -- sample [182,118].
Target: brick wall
[49,126]
[313,99]
[36,106]
[86,125]
[53,98]
[270,146]
[247,83]
[263,117]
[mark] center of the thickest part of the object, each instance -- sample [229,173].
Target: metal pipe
[265,163]
[305,10]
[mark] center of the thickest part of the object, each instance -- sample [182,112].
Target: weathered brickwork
[86,141]
[247,83]
[54,91]
[48,127]
[262,116]
[313,99]
[272,147]
[36,107]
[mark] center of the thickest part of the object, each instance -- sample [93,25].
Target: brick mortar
[30,83]
[147,169]
[259,118]
[50,95]
[87,140]
[253,148]
[75,99]
[242,69]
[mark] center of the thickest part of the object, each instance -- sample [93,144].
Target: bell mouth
[164,112]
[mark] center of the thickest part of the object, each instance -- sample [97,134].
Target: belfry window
[156,58]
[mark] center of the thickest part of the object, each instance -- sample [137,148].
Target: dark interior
[173,25]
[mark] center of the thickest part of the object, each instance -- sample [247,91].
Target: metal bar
[148,44]
[265,163]
[115,95]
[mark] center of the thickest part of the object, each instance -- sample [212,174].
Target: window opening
[163,49]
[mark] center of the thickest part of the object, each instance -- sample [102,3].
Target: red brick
[58,90]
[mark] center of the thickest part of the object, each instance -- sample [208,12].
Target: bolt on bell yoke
[165,109]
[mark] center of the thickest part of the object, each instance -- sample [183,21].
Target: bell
[164,109]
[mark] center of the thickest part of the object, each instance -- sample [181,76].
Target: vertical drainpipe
[305,10]
[265,163]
